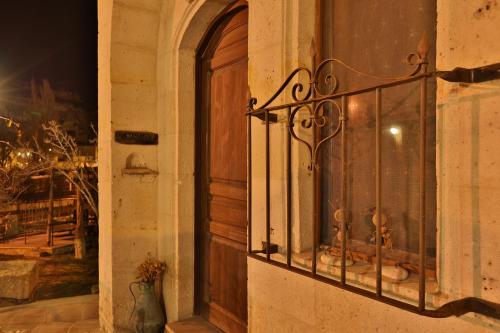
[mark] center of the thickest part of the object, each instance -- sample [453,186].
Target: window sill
[363,275]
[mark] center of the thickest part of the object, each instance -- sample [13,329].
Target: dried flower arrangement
[150,269]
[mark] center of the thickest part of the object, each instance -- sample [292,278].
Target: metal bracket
[471,75]
[471,304]
[273,248]
[273,117]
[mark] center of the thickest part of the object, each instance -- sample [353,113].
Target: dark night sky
[53,39]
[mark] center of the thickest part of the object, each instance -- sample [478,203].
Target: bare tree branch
[81,174]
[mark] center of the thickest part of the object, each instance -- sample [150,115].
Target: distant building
[34,103]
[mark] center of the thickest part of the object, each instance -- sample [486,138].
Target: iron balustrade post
[50,213]
[378,187]
[343,225]
[249,183]
[314,168]
[421,241]
[268,190]
[288,192]
[24,227]
[315,222]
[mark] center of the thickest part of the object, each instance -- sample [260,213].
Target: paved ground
[63,315]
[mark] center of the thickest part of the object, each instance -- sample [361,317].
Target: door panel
[227,123]
[223,220]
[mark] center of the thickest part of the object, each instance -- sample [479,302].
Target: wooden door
[222,222]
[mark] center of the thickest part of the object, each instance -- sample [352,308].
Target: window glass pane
[375,37]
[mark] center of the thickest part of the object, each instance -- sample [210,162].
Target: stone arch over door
[176,71]
[157,93]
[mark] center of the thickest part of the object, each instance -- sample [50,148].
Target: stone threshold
[191,325]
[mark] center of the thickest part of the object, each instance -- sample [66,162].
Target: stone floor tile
[24,315]
[85,326]
[70,313]
[52,328]
[191,325]
[89,311]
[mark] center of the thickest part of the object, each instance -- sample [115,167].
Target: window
[365,124]
[375,37]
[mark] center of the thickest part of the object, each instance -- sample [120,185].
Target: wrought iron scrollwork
[296,90]
[312,109]
[316,117]
[308,98]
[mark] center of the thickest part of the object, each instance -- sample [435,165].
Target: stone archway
[176,110]
[156,94]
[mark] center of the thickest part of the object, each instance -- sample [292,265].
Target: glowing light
[394,130]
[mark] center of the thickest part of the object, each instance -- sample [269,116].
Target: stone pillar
[128,202]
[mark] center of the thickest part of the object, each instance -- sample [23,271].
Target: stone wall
[468,127]
[128,38]
[281,302]
[105,9]
[146,82]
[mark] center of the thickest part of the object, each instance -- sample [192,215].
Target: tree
[14,181]
[79,172]
[16,164]
[58,152]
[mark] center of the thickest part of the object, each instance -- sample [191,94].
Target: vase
[147,314]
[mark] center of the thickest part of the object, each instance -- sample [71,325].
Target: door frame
[201,147]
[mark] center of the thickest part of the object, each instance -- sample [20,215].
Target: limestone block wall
[105,10]
[280,35]
[128,37]
[468,120]
[147,54]
[182,27]
[293,303]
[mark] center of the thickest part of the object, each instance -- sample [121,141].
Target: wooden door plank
[224,205]
[234,191]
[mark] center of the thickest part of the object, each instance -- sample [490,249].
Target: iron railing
[309,98]
[31,218]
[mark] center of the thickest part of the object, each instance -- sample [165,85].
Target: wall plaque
[136,138]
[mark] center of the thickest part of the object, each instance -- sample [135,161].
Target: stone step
[191,325]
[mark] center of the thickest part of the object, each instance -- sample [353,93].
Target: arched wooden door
[221,294]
